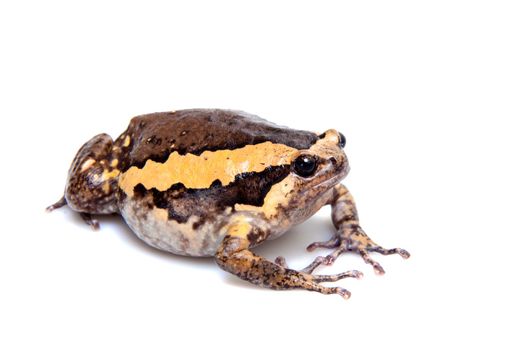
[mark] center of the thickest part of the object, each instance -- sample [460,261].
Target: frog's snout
[339,164]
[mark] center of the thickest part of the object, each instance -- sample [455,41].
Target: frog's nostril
[333,161]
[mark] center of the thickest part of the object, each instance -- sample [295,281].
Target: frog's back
[183,173]
[155,136]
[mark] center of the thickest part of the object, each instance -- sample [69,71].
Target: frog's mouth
[328,183]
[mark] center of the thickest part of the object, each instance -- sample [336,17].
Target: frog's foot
[353,238]
[318,261]
[234,256]
[88,219]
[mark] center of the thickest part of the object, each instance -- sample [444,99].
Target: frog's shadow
[292,245]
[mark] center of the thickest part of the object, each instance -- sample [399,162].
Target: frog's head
[312,173]
[322,166]
[299,180]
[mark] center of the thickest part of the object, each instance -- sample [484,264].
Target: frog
[217,183]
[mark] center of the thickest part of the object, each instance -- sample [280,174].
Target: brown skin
[218,182]
[156,135]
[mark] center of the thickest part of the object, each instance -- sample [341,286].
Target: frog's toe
[366,257]
[375,248]
[318,261]
[402,252]
[332,257]
[316,279]
[337,277]
[342,292]
[59,204]
[331,243]
[329,290]
[88,219]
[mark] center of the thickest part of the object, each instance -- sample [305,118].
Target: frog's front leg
[234,255]
[350,236]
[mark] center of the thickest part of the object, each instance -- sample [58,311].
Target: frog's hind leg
[234,256]
[91,185]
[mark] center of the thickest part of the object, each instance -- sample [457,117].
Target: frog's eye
[305,165]
[342,140]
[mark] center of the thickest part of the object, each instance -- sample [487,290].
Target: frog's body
[218,182]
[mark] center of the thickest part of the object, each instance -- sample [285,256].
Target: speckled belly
[154,228]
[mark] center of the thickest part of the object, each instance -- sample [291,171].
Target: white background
[429,94]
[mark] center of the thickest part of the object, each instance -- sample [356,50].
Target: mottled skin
[217,183]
